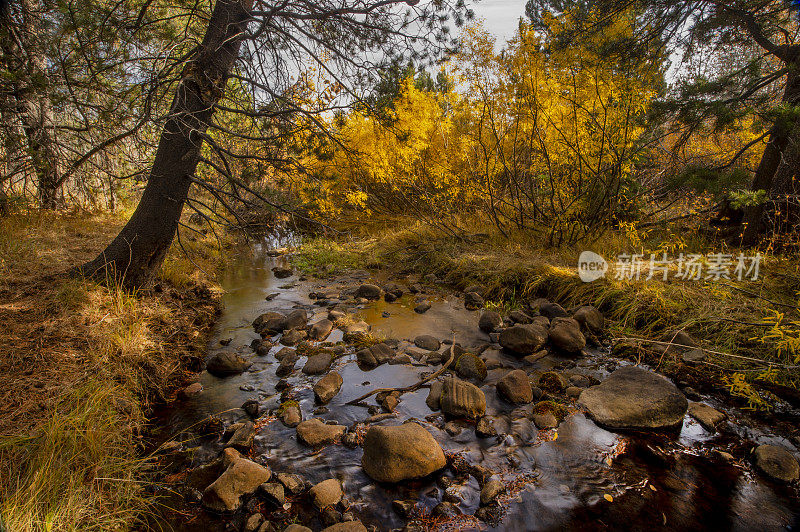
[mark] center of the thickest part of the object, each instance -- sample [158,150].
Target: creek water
[578,476]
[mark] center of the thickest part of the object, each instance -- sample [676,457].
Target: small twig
[753,294]
[411,388]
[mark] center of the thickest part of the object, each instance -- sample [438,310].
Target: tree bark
[139,249]
[26,65]
[772,160]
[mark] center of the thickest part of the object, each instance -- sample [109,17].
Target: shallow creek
[578,476]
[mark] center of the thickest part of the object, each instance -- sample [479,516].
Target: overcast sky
[500,16]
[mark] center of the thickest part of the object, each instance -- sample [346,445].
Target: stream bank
[538,464]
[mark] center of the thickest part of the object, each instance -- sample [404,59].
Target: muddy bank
[530,457]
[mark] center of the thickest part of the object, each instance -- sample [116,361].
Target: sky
[500,16]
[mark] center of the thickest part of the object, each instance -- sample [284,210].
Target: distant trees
[762,84]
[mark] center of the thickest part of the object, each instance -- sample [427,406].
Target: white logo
[591,266]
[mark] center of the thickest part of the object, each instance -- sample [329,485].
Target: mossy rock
[470,366]
[285,405]
[550,407]
[553,382]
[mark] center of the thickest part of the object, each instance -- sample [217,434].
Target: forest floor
[82,364]
[729,319]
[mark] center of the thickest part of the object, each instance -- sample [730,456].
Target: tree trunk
[771,161]
[26,65]
[138,251]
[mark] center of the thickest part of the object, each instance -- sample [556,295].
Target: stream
[577,476]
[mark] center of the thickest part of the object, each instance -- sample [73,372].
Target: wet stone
[565,334]
[520,317]
[635,398]
[706,415]
[193,390]
[489,321]
[545,421]
[422,307]
[242,477]
[326,493]
[272,493]
[485,427]
[490,491]
[226,364]
[523,339]
[434,395]
[368,291]
[462,399]
[473,301]
[427,342]
[321,329]
[314,432]
[242,438]
[777,463]
[552,310]
[327,387]
[294,484]
[317,364]
[515,387]
[346,526]
[403,452]
[251,408]
[471,367]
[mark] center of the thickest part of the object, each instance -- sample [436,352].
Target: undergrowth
[83,363]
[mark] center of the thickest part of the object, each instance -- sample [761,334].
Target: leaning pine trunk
[138,251]
[766,177]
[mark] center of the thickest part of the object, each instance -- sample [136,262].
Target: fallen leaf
[608,497]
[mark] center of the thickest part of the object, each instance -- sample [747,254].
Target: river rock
[314,432]
[707,416]
[519,317]
[523,339]
[273,493]
[327,387]
[422,307]
[296,319]
[318,364]
[471,367]
[382,353]
[242,438]
[473,301]
[403,452]
[365,358]
[552,310]
[635,398]
[680,341]
[326,493]
[485,428]
[346,526]
[590,319]
[242,477]
[281,272]
[462,399]
[321,329]
[434,395]
[565,334]
[368,291]
[293,337]
[358,328]
[777,463]
[193,390]
[545,420]
[290,414]
[294,527]
[226,364]
[694,356]
[286,367]
[515,387]
[427,342]
[253,523]
[490,491]
[272,318]
[489,321]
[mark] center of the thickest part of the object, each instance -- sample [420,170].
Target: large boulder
[368,291]
[515,387]
[523,339]
[777,463]
[242,477]
[403,452]
[226,364]
[565,334]
[489,321]
[314,432]
[327,387]
[635,398]
[462,399]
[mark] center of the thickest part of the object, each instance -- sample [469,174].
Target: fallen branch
[720,353]
[413,387]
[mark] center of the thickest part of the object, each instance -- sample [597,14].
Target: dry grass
[82,363]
